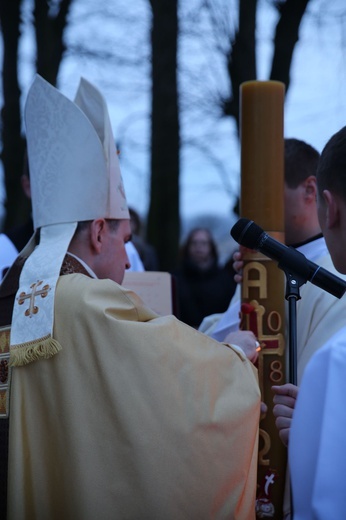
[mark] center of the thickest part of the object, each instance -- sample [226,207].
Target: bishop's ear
[97,233]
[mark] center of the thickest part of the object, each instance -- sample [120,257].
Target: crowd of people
[109,410]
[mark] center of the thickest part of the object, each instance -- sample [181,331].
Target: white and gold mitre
[73,162]
[74,176]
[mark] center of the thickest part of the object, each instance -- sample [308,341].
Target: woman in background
[203,287]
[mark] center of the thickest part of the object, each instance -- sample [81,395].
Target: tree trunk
[163,228]
[49,38]
[286,37]
[241,61]
[16,205]
[50,49]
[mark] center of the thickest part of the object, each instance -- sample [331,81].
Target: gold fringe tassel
[25,353]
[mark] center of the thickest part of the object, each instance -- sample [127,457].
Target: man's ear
[310,186]
[332,209]
[97,234]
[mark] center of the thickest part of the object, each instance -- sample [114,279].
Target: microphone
[248,234]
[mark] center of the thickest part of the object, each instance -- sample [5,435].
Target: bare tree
[204,94]
[226,38]
[163,222]
[239,47]
[12,142]
[50,19]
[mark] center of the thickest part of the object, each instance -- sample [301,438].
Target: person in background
[114,411]
[21,234]
[146,251]
[8,254]
[315,435]
[15,239]
[302,231]
[203,287]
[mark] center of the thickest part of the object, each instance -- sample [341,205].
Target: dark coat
[201,293]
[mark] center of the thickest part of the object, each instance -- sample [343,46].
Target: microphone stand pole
[292,295]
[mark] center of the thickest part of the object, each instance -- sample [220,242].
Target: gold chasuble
[137,417]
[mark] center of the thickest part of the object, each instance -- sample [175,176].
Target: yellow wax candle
[262,153]
[263,297]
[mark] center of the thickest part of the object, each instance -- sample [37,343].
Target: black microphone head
[247,233]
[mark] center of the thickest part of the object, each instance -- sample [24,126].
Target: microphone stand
[295,278]
[292,295]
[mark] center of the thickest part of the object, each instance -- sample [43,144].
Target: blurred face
[294,213]
[300,211]
[200,248]
[112,260]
